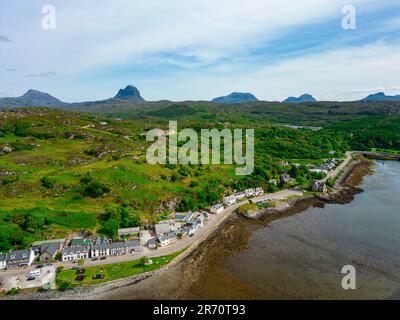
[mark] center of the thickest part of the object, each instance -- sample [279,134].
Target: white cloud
[92,34]
[367,90]
[40,74]
[96,36]
[327,76]
[333,72]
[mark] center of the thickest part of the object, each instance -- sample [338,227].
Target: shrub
[46,182]
[65,285]
[330,183]
[13,291]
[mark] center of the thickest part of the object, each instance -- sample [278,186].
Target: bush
[110,228]
[330,183]
[13,291]
[46,182]
[65,285]
[20,146]
[95,189]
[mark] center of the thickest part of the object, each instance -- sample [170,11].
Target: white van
[34,273]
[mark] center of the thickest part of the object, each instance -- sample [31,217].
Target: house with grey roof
[183,217]
[100,248]
[167,239]
[49,251]
[3,261]
[75,253]
[152,243]
[124,247]
[133,246]
[20,258]
[218,208]
[229,200]
[164,227]
[38,245]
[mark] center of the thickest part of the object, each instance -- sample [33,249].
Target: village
[36,267]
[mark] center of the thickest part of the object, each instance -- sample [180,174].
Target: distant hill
[303,98]
[35,98]
[32,98]
[130,93]
[380,96]
[236,97]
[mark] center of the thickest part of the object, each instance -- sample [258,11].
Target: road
[209,226]
[334,173]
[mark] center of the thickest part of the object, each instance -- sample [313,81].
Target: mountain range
[380,96]
[303,98]
[130,95]
[35,98]
[235,97]
[32,98]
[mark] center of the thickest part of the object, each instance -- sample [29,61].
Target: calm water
[302,256]
[299,256]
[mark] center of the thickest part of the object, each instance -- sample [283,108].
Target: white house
[218,208]
[20,258]
[164,227]
[319,170]
[3,261]
[121,248]
[240,195]
[250,192]
[167,239]
[75,253]
[100,248]
[229,200]
[259,192]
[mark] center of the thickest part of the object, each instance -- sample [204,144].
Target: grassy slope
[115,156]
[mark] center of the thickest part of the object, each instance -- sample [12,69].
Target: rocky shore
[343,192]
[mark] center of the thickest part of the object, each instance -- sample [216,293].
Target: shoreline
[344,192]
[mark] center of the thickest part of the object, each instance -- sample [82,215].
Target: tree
[144,261]
[112,211]
[110,228]
[46,182]
[330,182]
[80,262]
[294,172]
[65,285]
[34,220]
[135,220]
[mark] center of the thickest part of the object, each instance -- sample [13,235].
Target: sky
[200,49]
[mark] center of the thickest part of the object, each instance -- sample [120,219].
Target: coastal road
[209,226]
[334,173]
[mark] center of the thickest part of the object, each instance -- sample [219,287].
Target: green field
[113,271]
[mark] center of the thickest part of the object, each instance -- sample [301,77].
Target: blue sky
[192,49]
